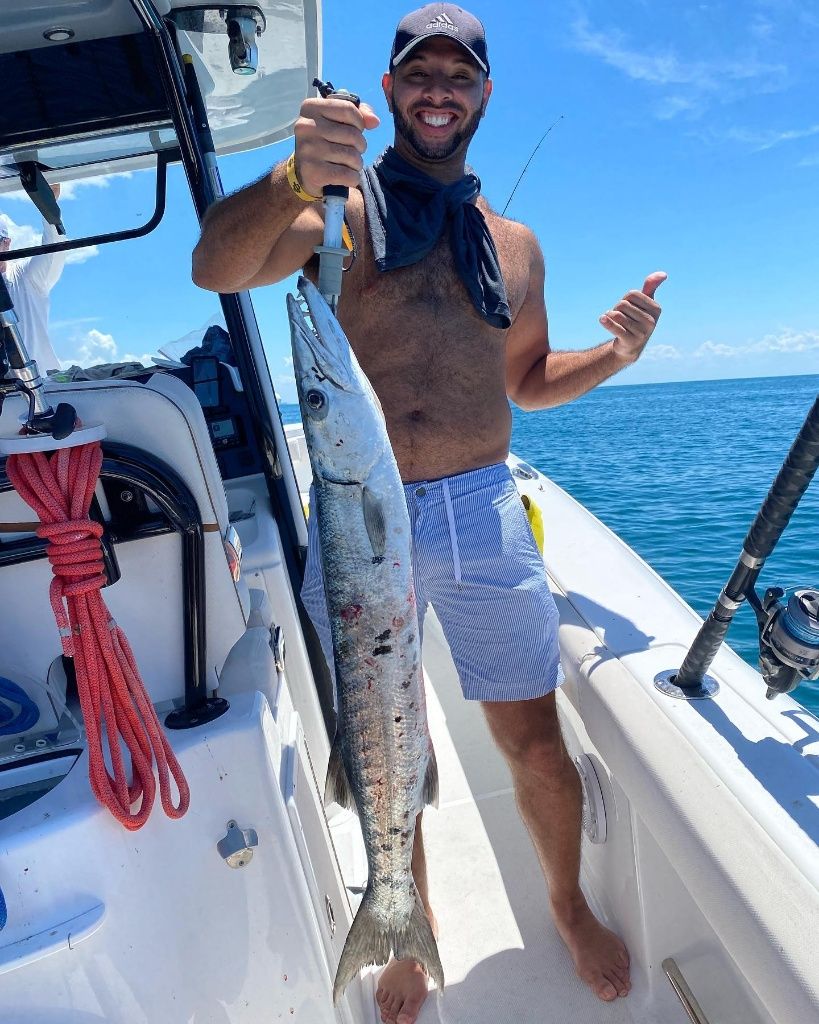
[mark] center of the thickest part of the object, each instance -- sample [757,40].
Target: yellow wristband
[347,237]
[295,184]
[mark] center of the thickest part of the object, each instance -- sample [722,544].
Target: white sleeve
[43,272]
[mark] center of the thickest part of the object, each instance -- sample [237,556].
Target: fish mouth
[314,327]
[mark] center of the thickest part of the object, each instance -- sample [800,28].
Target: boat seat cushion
[164,418]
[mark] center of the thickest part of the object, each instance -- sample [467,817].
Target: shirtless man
[443,364]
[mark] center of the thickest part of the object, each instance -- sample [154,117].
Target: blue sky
[689,143]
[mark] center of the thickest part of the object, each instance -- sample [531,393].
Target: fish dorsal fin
[374,521]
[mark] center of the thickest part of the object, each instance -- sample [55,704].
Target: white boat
[701,819]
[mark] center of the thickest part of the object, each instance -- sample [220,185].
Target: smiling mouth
[436,119]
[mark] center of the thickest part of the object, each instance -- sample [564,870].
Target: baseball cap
[440,20]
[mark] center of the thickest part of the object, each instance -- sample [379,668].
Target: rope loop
[117,712]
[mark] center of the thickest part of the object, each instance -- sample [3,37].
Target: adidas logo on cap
[442,22]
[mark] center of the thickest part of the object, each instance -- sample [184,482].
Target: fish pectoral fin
[374,521]
[429,794]
[337,787]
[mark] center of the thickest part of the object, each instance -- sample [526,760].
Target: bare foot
[600,957]
[402,989]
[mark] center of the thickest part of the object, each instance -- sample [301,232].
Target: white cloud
[796,9]
[786,342]
[92,349]
[24,235]
[671,106]
[762,140]
[761,27]
[63,325]
[668,68]
[657,353]
[715,348]
[69,189]
[696,83]
[88,252]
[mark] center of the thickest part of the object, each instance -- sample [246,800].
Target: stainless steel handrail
[683,991]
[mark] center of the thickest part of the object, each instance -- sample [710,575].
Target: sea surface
[679,472]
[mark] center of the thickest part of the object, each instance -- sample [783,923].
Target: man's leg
[549,798]
[402,987]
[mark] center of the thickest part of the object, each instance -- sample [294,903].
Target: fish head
[343,422]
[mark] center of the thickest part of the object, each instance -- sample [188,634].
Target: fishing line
[537,147]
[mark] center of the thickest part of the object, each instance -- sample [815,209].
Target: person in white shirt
[29,282]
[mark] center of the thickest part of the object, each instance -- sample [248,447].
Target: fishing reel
[788,637]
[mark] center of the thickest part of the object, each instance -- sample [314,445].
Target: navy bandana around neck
[408,212]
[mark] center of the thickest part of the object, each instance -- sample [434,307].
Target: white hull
[711,809]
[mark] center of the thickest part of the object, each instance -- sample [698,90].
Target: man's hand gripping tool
[333,253]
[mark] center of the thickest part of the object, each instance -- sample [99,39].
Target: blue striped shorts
[476,562]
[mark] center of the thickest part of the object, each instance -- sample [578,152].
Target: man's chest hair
[434,279]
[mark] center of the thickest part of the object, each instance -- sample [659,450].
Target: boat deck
[503,958]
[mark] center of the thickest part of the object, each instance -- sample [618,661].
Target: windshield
[90,117]
[117,303]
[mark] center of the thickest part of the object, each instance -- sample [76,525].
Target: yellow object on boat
[535,517]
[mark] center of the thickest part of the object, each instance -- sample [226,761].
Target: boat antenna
[537,147]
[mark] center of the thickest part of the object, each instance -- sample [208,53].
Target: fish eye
[316,403]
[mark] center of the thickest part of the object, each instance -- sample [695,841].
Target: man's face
[437,96]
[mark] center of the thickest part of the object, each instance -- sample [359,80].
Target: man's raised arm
[265,232]
[538,377]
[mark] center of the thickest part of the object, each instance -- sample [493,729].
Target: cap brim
[445,35]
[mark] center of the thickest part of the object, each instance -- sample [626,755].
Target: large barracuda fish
[382,760]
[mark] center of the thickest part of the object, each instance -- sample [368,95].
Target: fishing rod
[333,253]
[788,620]
[537,147]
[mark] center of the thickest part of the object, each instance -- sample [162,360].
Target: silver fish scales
[382,761]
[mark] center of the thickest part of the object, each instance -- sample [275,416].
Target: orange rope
[115,707]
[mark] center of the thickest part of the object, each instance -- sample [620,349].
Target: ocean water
[679,472]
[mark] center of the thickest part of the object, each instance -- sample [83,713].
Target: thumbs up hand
[633,319]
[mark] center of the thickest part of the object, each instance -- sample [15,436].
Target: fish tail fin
[337,787]
[368,942]
[429,794]
[417,942]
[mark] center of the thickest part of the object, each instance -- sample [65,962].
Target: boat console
[218,389]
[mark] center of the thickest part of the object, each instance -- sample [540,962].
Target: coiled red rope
[59,487]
